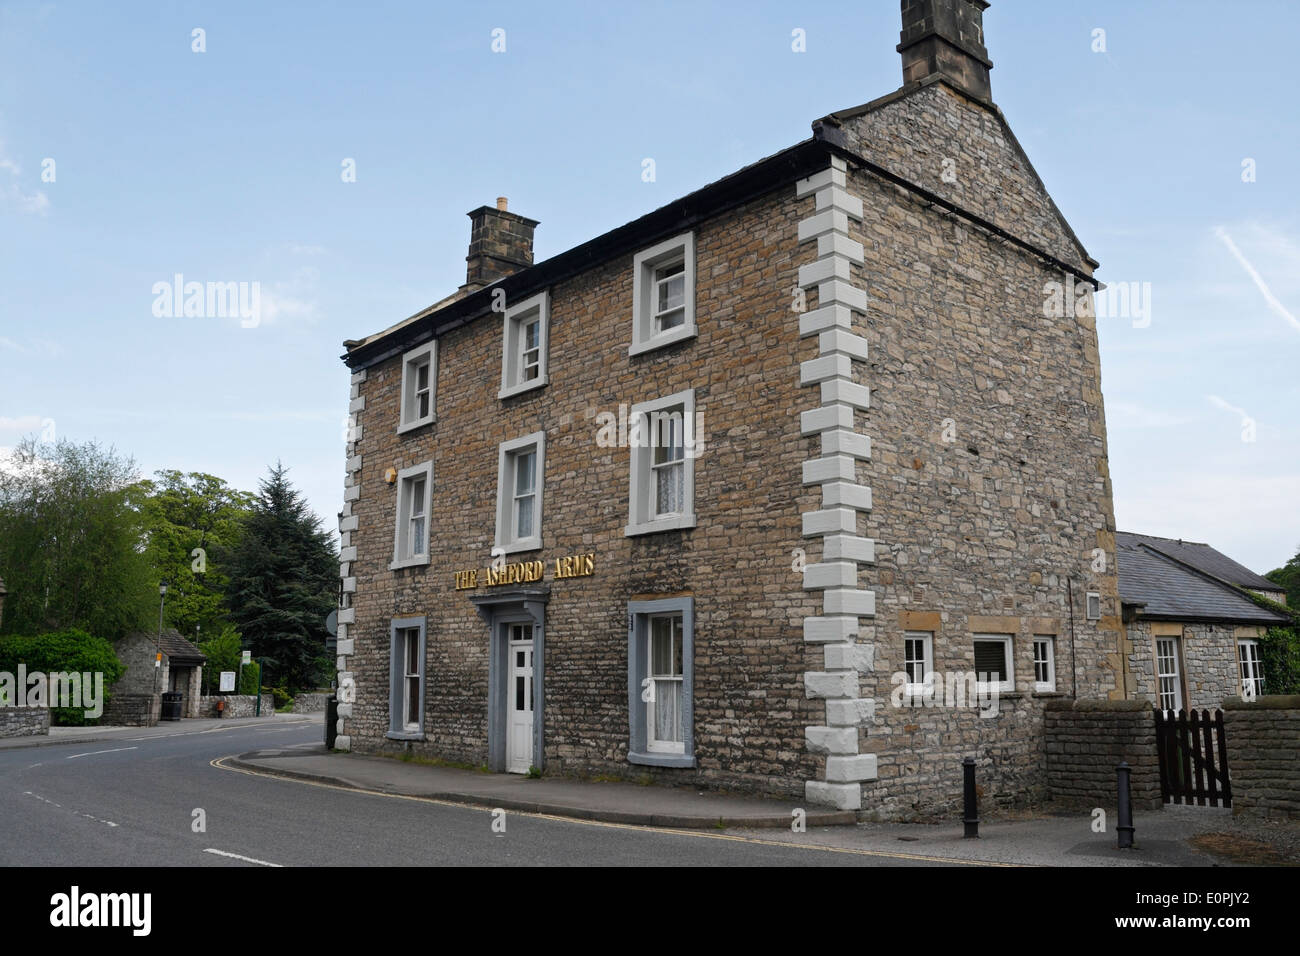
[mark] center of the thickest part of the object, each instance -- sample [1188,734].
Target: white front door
[519,709]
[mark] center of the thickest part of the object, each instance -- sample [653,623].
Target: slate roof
[1174,591]
[180,651]
[1203,558]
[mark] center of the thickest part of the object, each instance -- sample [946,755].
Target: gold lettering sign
[525,572]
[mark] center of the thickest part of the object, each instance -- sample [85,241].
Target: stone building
[1194,635]
[135,698]
[716,496]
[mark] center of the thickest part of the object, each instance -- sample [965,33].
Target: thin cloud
[1271,299]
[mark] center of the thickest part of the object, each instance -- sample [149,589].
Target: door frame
[498,611]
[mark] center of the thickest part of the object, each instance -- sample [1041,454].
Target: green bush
[71,651]
[1279,658]
[248,679]
[282,697]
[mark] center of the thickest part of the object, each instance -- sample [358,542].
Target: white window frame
[1002,687]
[411,361]
[512,341]
[641,517]
[506,539]
[911,689]
[1249,666]
[1176,674]
[402,553]
[1048,686]
[644,263]
[677,632]
[1087,605]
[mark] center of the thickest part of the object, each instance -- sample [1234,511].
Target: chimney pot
[501,203]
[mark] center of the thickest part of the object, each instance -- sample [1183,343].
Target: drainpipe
[1074,670]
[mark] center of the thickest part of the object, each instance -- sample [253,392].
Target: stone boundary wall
[24,721]
[132,710]
[310,703]
[1085,740]
[1263,739]
[237,705]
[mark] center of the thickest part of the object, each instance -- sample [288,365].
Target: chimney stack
[946,38]
[500,243]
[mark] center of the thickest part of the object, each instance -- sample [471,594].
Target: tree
[283,583]
[194,523]
[1289,577]
[71,541]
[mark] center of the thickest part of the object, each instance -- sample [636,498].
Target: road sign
[248,658]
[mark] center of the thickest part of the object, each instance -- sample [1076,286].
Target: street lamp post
[157,661]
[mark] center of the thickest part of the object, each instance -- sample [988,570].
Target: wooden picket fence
[1193,758]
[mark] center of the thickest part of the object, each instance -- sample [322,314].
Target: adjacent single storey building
[134,699]
[1194,635]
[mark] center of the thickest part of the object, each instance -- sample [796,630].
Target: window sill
[405,735]
[419,423]
[520,546]
[661,760]
[679,334]
[513,390]
[1048,692]
[421,561]
[674,523]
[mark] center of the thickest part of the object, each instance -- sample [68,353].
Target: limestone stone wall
[1263,741]
[237,705]
[309,703]
[137,652]
[1085,740]
[132,710]
[966,153]
[24,721]
[992,508]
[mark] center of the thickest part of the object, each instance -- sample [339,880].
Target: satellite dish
[332,623]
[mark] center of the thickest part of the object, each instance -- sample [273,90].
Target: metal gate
[1193,758]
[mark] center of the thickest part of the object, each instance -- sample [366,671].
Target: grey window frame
[397,678]
[638,620]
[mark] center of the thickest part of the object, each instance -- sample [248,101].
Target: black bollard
[970,815]
[1124,829]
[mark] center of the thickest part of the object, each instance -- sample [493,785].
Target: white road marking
[246,859]
[108,823]
[91,753]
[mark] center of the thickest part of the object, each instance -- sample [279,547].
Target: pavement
[1068,839]
[626,803]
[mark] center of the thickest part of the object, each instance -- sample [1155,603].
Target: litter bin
[171,705]
[331,721]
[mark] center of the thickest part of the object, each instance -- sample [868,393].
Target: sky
[328,152]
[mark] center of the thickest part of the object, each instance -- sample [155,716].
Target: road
[135,801]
